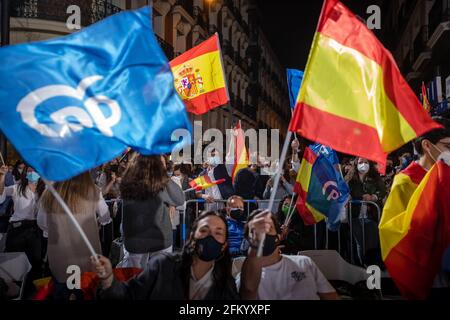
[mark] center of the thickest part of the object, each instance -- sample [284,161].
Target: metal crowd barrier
[119,203]
[351,227]
[217,202]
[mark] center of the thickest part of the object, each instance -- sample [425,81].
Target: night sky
[290,25]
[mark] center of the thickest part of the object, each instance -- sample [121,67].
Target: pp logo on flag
[84,118]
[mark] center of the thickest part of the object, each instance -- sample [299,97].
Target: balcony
[421,52]
[188,6]
[406,64]
[238,104]
[235,11]
[55,10]
[200,20]
[167,47]
[227,49]
[438,20]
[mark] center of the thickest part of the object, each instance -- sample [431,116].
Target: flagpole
[289,210]
[69,213]
[275,186]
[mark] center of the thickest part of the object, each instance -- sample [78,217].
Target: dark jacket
[245,183]
[161,280]
[146,224]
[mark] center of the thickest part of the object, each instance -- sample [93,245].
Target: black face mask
[237,214]
[270,244]
[208,249]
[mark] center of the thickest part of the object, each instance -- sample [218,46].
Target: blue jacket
[235,236]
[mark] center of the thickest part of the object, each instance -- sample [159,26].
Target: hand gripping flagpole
[69,213]
[275,186]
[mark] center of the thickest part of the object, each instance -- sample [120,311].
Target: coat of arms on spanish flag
[199,77]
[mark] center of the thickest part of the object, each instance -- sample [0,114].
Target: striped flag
[425,103]
[199,77]
[353,97]
[414,241]
[321,190]
[241,159]
[204,182]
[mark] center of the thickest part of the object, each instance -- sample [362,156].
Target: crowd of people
[187,249]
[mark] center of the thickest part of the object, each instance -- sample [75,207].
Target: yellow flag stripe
[208,67]
[316,214]
[345,83]
[394,230]
[304,174]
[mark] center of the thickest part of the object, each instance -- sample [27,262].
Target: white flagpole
[69,213]
[275,186]
[3,161]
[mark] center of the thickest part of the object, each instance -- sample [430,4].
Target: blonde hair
[76,193]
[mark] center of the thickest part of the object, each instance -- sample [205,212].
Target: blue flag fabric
[72,103]
[328,193]
[329,153]
[294,79]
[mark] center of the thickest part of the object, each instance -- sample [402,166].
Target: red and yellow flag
[414,240]
[353,97]
[241,159]
[204,182]
[199,77]
[425,102]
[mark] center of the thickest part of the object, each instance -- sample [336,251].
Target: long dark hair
[22,187]
[222,267]
[145,178]
[15,171]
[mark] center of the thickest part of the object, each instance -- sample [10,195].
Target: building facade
[256,80]
[418,34]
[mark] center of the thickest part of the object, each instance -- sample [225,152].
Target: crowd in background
[140,211]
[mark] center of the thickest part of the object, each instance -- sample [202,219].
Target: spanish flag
[403,187]
[199,77]
[89,283]
[204,182]
[414,241]
[241,160]
[425,102]
[353,97]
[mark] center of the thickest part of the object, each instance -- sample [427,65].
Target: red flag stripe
[200,105]
[311,120]
[209,45]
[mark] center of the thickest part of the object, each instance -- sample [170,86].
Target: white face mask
[444,155]
[363,167]
[214,161]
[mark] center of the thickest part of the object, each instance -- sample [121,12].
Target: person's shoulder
[165,259]
[299,260]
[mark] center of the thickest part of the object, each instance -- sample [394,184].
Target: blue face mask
[33,177]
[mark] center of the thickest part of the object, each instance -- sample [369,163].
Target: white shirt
[24,206]
[198,289]
[214,192]
[102,212]
[292,278]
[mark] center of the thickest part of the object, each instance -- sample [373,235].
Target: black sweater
[161,280]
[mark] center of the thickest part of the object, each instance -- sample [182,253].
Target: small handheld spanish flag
[199,77]
[425,101]
[204,182]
